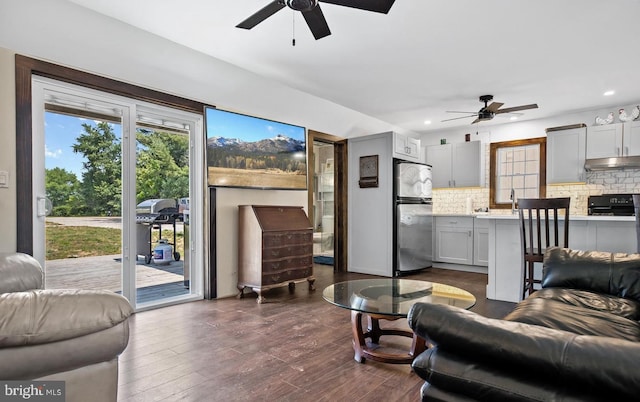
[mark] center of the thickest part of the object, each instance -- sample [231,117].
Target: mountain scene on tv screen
[240,163]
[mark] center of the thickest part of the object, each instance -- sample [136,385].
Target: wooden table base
[374,332]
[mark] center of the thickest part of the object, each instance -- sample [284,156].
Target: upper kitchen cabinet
[405,147]
[455,165]
[566,154]
[613,140]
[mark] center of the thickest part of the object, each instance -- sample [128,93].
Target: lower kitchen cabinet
[481,242]
[612,234]
[461,240]
[454,239]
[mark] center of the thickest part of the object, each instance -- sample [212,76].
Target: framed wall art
[368,171]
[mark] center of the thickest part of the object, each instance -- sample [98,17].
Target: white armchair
[74,336]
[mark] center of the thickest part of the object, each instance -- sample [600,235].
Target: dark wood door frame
[340,193]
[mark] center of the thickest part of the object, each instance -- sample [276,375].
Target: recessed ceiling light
[609,93]
[427,122]
[514,117]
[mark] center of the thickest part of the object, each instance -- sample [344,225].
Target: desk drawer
[286,263]
[277,239]
[285,276]
[274,253]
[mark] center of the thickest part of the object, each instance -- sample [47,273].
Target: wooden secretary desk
[275,248]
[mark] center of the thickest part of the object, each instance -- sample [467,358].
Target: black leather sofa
[576,339]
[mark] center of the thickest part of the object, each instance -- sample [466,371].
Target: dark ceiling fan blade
[458,118]
[317,23]
[455,111]
[494,106]
[262,15]
[378,6]
[517,108]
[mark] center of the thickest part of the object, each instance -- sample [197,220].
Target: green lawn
[85,241]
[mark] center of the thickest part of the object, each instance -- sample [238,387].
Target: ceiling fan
[312,13]
[489,111]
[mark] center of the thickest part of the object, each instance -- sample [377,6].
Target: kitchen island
[603,233]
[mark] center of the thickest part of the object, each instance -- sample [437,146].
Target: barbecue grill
[152,214]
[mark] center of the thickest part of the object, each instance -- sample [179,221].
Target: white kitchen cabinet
[481,242]
[454,239]
[631,139]
[439,157]
[610,233]
[405,147]
[615,237]
[613,140]
[455,165]
[566,150]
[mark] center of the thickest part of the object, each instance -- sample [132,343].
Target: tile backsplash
[454,201]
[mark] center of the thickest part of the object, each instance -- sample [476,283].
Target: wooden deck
[153,281]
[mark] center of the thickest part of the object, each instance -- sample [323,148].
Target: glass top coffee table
[389,299]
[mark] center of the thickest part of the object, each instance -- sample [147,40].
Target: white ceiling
[423,58]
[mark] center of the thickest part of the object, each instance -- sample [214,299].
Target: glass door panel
[323,236]
[82,184]
[162,212]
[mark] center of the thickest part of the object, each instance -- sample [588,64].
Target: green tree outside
[102,176]
[63,189]
[163,165]
[162,171]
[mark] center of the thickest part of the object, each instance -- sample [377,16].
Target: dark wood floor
[294,347]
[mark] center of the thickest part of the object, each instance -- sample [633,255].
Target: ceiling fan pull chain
[293,24]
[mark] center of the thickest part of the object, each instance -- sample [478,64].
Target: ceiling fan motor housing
[485,115]
[302,5]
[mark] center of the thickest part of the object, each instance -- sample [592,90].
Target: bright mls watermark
[41,391]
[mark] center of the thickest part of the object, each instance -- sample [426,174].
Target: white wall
[371,209]
[67,34]
[228,200]
[8,149]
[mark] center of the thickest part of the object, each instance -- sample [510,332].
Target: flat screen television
[250,152]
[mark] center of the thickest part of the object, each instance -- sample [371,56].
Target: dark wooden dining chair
[636,210]
[539,218]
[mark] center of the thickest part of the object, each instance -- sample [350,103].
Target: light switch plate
[4,179]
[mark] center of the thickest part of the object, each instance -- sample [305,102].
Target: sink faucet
[513,201]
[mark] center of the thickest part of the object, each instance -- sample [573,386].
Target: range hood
[612,163]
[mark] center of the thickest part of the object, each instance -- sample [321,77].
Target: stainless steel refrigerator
[413,217]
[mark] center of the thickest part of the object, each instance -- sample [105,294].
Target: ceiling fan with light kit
[489,111]
[312,12]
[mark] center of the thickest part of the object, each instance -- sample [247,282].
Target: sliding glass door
[116,182]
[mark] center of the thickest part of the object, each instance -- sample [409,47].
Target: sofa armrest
[592,361]
[19,272]
[45,316]
[616,274]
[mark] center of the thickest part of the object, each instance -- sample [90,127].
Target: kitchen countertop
[506,216]
[571,217]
